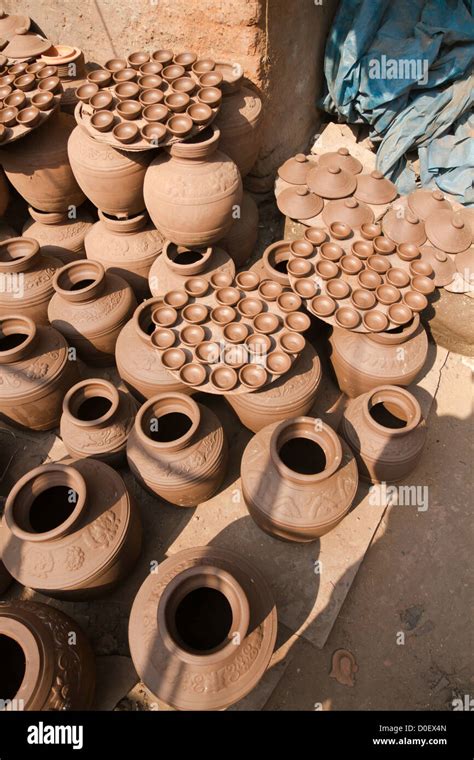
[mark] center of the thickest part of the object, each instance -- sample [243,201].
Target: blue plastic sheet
[405,69]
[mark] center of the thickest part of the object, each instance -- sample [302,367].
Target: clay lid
[465,265]
[26,45]
[299,203]
[343,159]
[449,231]
[295,169]
[403,229]
[349,211]
[425,202]
[11,25]
[375,188]
[443,266]
[331,181]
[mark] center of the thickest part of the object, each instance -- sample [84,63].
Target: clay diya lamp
[423,284]
[203,65]
[180,125]
[315,235]
[301,248]
[220,279]
[103,101]
[416,301]
[375,189]
[299,268]
[425,202]
[208,352]
[173,358]
[297,321]
[100,77]
[288,302]
[331,182]
[46,72]
[420,266]
[291,342]
[155,113]
[170,73]
[19,68]
[200,113]
[363,299]
[348,211]
[185,85]
[295,169]
[269,290]
[8,116]
[125,75]
[408,251]
[192,374]
[347,317]
[247,281]
[378,264]
[227,296]
[29,117]
[369,279]
[212,96]
[150,82]
[34,68]
[152,67]
[305,288]
[375,321]
[387,294]
[339,230]
[17,99]
[223,315]
[191,335]
[449,231]
[299,203]
[102,121]
[331,251]
[351,264]
[151,97]
[406,228]
[443,267]
[341,158]
[195,313]
[51,84]
[154,133]
[236,356]
[223,378]
[370,231]
[176,298]
[196,286]
[383,246]
[125,133]
[185,59]
[165,316]
[129,110]
[338,289]
[7,81]
[177,102]
[210,79]
[397,277]
[6,90]
[25,82]
[258,346]
[163,338]
[253,376]
[266,323]
[250,307]
[326,269]
[400,314]
[362,249]
[162,56]
[86,91]
[278,362]
[127,91]
[236,332]
[115,64]
[135,60]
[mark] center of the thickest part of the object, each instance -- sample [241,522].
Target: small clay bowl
[125,133]
[305,288]
[408,251]
[129,109]
[387,294]
[8,116]
[46,72]
[247,280]
[339,230]
[289,302]
[192,374]
[100,77]
[236,332]
[151,67]
[418,266]
[362,249]
[258,345]
[415,301]
[347,317]
[191,335]
[210,79]
[369,279]
[397,277]
[195,313]
[115,64]
[51,84]
[29,117]
[170,73]
[208,352]
[266,323]
[363,299]
[34,68]
[127,91]
[297,321]
[177,102]
[378,264]
[370,231]
[299,267]
[223,315]
[6,90]
[269,290]
[176,298]
[103,101]
[184,84]
[163,338]
[196,286]
[250,307]
[162,56]
[18,99]
[351,264]
[180,125]
[338,289]
[220,280]
[150,82]
[236,355]
[135,60]
[155,113]
[25,82]
[253,376]
[151,97]
[212,96]
[331,251]
[315,235]
[164,316]
[383,246]
[223,378]
[422,284]
[154,133]
[301,248]
[125,75]
[185,59]
[200,113]
[227,296]
[7,80]
[375,321]
[326,269]
[400,314]
[291,342]
[278,362]
[86,91]
[173,358]
[19,68]
[203,65]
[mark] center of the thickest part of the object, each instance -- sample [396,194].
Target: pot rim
[23,262]
[18,352]
[323,435]
[168,402]
[80,270]
[398,397]
[108,391]
[35,666]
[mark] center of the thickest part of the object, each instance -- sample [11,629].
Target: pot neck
[38,673]
[81,281]
[312,430]
[18,255]
[89,391]
[159,439]
[126,226]
[198,149]
[395,338]
[48,217]
[142,320]
[404,406]
[186,261]
[18,336]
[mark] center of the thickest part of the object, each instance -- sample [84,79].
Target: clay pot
[97,418]
[386,431]
[275,261]
[112,179]
[449,231]
[127,247]
[331,181]
[299,203]
[241,239]
[364,361]
[348,211]
[26,278]
[426,202]
[202,629]
[341,158]
[177,449]
[139,361]
[403,229]
[38,166]
[58,235]
[191,191]
[295,169]
[239,118]
[35,373]
[71,529]
[180,267]
[290,396]
[374,188]
[40,668]
[298,479]
[90,307]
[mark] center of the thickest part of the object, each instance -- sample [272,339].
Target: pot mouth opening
[17,249]
[169,422]
[12,672]
[16,332]
[166,428]
[201,621]
[79,277]
[393,409]
[92,401]
[388,415]
[305,450]
[278,260]
[12,340]
[303,455]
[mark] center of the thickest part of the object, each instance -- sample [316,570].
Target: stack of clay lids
[403,226]
[28,45]
[374,188]
[295,169]
[348,211]
[442,265]
[447,230]
[331,181]
[343,159]
[426,202]
[299,203]
[12,25]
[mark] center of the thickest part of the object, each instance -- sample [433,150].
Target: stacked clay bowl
[150,100]
[229,335]
[29,93]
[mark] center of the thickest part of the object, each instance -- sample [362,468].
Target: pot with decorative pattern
[58,234]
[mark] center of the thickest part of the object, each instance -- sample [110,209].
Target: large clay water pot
[59,234]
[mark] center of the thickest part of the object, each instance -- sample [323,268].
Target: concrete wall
[280,44]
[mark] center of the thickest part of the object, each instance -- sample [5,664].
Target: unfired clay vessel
[298,479]
[90,307]
[177,449]
[202,629]
[35,373]
[97,418]
[72,530]
[191,190]
[41,671]
[364,361]
[182,267]
[241,239]
[386,431]
[58,234]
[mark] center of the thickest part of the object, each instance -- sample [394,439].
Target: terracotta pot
[191,190]
[26,279]
[58,235]
[180,267]
[71,529]
[274,262]
[290,396]
[97,418]
[35,373]
[386,431]
[177,449]
[139,362]
[40,668]
[241,239]
[298,479]
[111,179]
[38,166]
[203,629]
[90,307]
[240,120]
[4,193]
[364,361]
